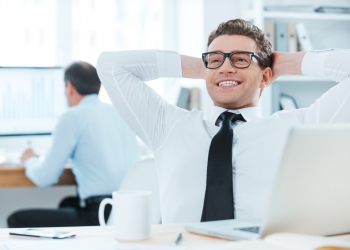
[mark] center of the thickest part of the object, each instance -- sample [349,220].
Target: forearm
[333,106]
[123,74]
[287,63]
[192,67]
[37,173]
[332,63]
[64,140]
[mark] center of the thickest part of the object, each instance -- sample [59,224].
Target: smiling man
[223,167]
[226,84]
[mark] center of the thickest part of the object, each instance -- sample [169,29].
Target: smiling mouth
[229,83]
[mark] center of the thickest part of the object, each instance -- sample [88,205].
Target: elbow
[107,58]
[44,184]
[41,181]
[102,57]
[105,64]
[101,60]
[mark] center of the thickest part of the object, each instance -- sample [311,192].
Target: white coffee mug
[131,214]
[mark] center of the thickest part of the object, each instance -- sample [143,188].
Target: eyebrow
[222,51]
[231,51]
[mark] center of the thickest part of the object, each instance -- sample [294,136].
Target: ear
[266,78]
[70,89]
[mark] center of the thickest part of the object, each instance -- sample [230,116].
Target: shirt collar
[88,99]
[248,113]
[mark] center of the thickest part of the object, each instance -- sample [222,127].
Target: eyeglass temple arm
[259,60]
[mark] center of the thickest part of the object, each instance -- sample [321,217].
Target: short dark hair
[245,28]
[84,78]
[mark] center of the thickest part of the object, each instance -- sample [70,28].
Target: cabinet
[326,30]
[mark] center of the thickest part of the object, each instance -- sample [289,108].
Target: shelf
[301,78]
[283,15]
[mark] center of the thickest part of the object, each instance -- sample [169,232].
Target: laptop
[311,194]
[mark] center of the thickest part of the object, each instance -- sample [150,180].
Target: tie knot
[231,117]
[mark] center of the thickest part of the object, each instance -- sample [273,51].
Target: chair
[143,176]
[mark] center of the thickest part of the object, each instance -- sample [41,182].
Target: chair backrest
[143,176]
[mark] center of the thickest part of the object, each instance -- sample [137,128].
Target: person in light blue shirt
[101,148]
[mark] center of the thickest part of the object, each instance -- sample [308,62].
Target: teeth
[228,83]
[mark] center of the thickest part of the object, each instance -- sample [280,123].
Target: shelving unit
[326,30]
[298,78]
[298,16]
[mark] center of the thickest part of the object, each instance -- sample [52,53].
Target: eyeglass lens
[239,60]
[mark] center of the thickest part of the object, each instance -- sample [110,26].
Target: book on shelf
[288,36]
[189,98]
[269,30]
[292,38]
[183,100]
[194,102]
[282,36]
[303,37]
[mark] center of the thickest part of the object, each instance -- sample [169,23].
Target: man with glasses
[223,167]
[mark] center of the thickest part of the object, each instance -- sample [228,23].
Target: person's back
[99,144]
[106,147]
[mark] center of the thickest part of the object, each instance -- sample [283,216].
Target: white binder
[303,37]
[269,30]
[292,38]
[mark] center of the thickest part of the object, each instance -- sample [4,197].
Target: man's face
[250,80]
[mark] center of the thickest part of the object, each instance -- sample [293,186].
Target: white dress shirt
[100,144]
[180,139]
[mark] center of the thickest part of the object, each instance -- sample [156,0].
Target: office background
[53,33]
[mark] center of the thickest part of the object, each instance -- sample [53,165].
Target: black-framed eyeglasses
[238,59]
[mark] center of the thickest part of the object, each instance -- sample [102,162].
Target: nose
[226,67]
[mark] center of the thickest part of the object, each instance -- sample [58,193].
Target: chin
[232,103]
[228,105]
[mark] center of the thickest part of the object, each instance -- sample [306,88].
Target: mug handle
[101,210]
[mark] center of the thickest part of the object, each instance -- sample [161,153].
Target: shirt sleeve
[123,74]
[334,105]
[48,172]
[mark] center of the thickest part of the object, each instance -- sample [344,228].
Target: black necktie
[218,200]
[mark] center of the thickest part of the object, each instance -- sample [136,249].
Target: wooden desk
[14,176]
[161,235]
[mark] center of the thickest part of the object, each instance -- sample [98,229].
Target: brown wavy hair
[245,28]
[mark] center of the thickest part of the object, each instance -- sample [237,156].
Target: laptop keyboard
[249,229]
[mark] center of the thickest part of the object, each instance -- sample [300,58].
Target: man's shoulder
[105,109]
[98,108]
[73,112]
[91,106]
[69,115]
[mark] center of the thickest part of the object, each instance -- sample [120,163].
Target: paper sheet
[303,241]
[243,245]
